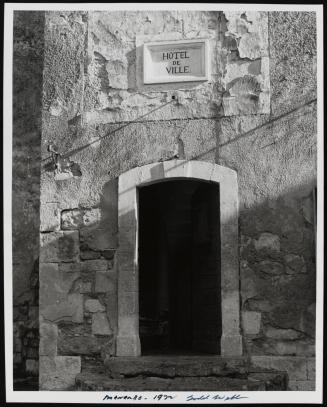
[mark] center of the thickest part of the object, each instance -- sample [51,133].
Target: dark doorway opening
[179,267]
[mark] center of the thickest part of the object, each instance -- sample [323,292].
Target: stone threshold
[179,373]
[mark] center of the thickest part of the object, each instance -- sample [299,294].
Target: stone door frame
[128,341]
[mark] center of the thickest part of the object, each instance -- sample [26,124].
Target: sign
[175,61]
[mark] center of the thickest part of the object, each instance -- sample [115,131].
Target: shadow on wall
[28,57]
[78,282]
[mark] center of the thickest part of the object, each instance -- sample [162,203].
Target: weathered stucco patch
[114,88]
[246,74]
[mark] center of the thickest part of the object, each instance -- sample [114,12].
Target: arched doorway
[179,267]
[218,185]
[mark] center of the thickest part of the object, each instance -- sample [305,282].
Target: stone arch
[128,342]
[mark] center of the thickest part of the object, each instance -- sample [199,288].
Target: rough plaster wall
[274,155]
[27,104]
[238,59]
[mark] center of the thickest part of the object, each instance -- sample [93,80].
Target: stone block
[108,254]
[49,217]
[295,264]
[70,267]
[32,353]
[127,238]
[251,322]
[68,246]
[89,266]
[91,216]
[17,358]
[97,239]
[59,372]
[79,218]
[302,385]
[21,282]
[128,280]
[85,343]
[48,339]
[110,300]
[279,333]
[92,305]
[32,367]
[86,287]
[17,342]
[311,368]
[56,301]
[89,254]
[49,247]
[59,247]
[71,219]
[125,260]
[267,241]
[128,304]
[270,267]
[128,345]
[248,285]
[100,324]
[295,366]
[33,315]
[231,345]
[299,347]
[105,281]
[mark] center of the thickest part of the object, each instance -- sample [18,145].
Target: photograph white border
[300,397]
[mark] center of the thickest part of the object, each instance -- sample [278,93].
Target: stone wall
[28,49]
[257,115]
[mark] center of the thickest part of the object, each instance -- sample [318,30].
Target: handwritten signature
[192,397]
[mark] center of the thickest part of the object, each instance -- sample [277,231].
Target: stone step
[96,379]
[171,366]
[96,382]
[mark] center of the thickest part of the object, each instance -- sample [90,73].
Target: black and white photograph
[163,214]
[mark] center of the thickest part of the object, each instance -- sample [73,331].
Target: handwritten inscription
[165,397]
[176,58]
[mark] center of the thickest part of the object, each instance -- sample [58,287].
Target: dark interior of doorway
[179,267]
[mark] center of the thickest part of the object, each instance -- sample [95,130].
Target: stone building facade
[89,135]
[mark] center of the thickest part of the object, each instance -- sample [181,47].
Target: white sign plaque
[175,61]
